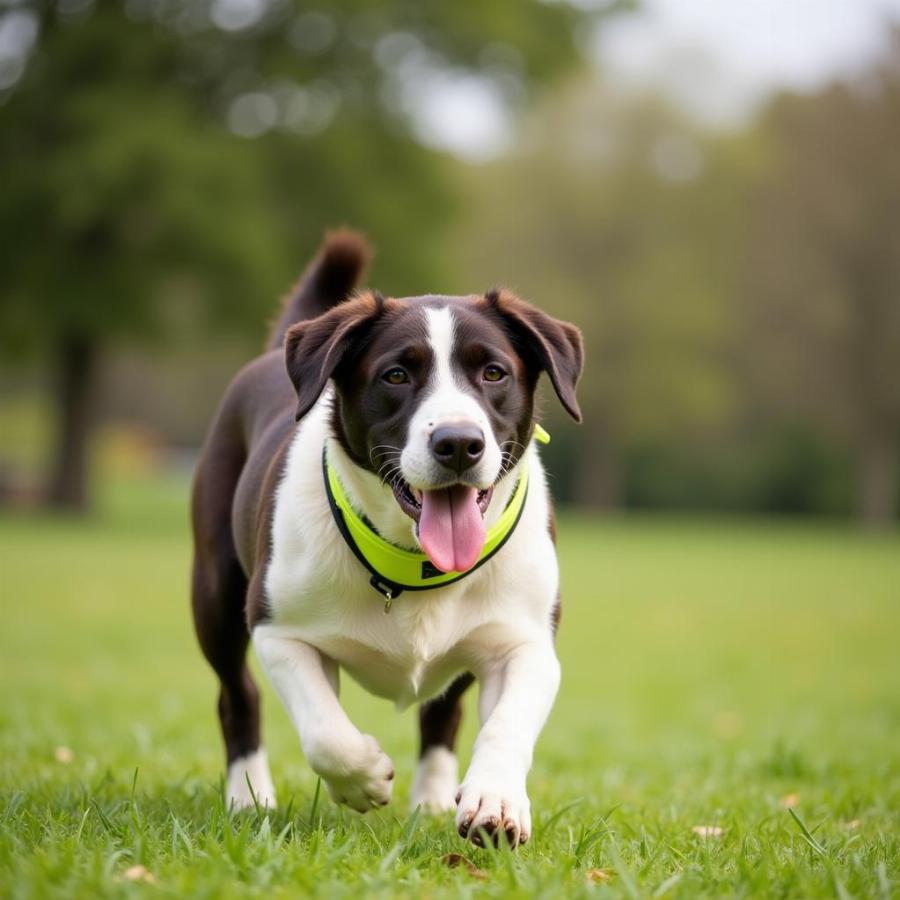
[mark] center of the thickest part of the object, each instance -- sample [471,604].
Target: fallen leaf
[707,831]
[789,801]
[598,876]
[454,860]
[139,873]
[63,755]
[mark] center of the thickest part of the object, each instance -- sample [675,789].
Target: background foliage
[170,166]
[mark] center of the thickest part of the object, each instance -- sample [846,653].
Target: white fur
[436,781]
[352,764]
[516,697]
[255,769]
[446,403]
[325,616]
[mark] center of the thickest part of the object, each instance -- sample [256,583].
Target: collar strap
[394,569]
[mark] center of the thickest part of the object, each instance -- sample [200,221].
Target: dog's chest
[407,654]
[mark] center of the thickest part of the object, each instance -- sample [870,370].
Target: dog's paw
[359,775]
[436,781]
[493,807]
[260,791]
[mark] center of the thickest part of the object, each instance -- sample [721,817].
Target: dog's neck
[375,500]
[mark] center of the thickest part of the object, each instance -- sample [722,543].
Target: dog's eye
[395,376]
[493,373]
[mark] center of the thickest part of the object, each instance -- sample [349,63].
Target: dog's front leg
[354,767]
[517,694]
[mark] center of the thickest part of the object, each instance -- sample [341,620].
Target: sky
[720,58]
[717,59]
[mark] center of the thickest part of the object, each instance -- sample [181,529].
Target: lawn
[729,723]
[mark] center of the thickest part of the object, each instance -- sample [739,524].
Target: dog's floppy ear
[315,348]
[550,344]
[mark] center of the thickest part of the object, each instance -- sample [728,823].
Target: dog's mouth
[449,522]
[410,498]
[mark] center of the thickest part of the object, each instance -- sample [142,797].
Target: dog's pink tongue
[451,529]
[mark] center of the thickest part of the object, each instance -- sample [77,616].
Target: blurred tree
[129,209]
[599,219]
[822,283]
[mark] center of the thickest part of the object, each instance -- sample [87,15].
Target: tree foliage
[822,285]
[125,187]
[169,164]
[740,294]
[598,219]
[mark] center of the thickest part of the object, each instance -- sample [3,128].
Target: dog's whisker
[386,448]
[392,477]
[507,458]
[391,453]
[390,465]
[512,443]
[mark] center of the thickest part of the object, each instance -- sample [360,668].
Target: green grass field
[737,679]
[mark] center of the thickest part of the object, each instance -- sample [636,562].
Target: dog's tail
[328,280]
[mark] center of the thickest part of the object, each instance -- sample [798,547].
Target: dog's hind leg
[219,589]
[437,775]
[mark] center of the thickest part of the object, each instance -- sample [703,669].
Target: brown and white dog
[425,408]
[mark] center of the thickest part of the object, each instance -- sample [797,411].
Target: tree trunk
[76,358]
[878,480]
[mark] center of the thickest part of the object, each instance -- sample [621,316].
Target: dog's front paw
[358,774]
[493,806]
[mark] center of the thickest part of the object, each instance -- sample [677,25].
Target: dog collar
[394,569]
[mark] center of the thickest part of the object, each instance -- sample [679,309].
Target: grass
[740,679]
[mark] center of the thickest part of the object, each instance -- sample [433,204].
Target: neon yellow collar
[394,569]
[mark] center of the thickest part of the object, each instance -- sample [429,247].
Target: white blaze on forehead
[441,338]
[445,401]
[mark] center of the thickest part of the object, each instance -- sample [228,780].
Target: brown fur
[233,493]
[327,281]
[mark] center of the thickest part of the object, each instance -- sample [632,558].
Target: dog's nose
[458,447]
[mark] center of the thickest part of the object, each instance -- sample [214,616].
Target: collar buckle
[390,591]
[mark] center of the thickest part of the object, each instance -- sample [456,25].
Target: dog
[370,498]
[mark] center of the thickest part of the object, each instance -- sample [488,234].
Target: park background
[711,191]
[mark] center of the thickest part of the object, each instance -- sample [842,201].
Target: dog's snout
[458,446]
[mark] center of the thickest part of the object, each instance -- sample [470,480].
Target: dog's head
[435,395]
